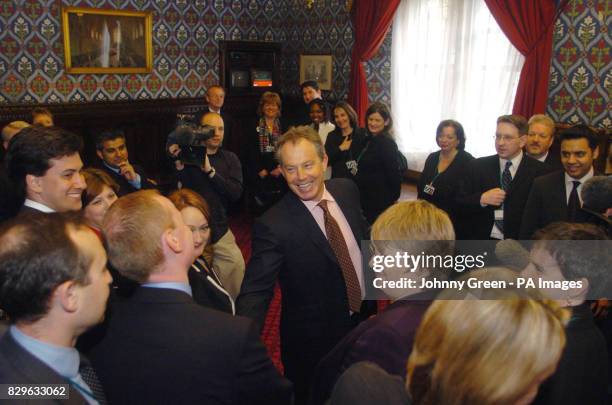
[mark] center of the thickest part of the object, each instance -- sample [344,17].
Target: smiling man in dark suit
[496,188]
[556,196]
[309,242]
[113,152]
[158,345]
[54,285]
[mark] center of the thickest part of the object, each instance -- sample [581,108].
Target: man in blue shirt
[158,345]
[112,150]
[54,285]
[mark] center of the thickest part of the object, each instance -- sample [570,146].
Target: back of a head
[12,129]
[597,193]
[488,351]
[413,226]
[133,228]
[32,151]
[580,250]
[37,254]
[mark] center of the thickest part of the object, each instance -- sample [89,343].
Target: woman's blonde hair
[485,351]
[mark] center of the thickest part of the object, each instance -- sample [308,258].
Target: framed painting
[318,68]
[107,41]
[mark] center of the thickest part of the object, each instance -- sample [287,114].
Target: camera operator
[218,178]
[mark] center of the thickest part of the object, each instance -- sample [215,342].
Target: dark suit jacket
[385,340]
[18,366]
[582,374]
[288,245]
[124,186]
[553,160]
[159,347]
[484,174]
[547,203]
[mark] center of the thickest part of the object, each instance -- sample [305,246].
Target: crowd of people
[124,295]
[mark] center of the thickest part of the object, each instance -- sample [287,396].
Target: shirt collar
[516,161]
[569,179]
[311,204]
[212,110]
[38,206]
[63,360]
[184,287]
[110,167]
[543,157]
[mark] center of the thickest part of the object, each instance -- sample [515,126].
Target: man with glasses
[496,188]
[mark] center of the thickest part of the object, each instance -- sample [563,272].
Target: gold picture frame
[107,41]
[318,68]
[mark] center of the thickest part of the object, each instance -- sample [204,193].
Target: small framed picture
[318,68]
[107,41]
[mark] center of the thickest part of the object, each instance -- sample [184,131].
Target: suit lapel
[306,222]
[34,369]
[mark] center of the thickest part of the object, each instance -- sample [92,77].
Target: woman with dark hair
[444,170]
[345,143]
[378,176]
[267,181]
[100,194]
[320,121]
[207,289]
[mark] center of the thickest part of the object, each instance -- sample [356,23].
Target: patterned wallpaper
[580,87]
[185,48]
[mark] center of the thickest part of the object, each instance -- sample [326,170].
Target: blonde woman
[488,352]
[386,340]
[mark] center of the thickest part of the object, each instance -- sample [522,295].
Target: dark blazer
[484,174]
[158,347]
[582,374]
[553,159]
[378,176]
[446,184]
[546,203]
[124,186]
[207,289]
[289,246]
[337,158]
[18,366]
[385,340]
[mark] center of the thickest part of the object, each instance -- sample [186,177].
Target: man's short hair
[578,260]
[41,111]
[12,128]
[597,193]
[544,120]
[37,254]
[108,135]
[133,227]
[580,131]
[214,86]
[32,150]
[295,134]
[518,121]
[310,83]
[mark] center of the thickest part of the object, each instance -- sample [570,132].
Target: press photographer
[216,174]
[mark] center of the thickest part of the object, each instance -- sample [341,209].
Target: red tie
[338,245]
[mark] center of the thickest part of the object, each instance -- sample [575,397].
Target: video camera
[190,137]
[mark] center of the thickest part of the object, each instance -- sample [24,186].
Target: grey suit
[18,366]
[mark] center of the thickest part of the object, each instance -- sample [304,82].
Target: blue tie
[505,184]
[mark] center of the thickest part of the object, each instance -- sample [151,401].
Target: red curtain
[529,25]
[371,20]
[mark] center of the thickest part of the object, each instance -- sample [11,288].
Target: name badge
[351,165]
[269,148]
[499,215]
[429,189]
